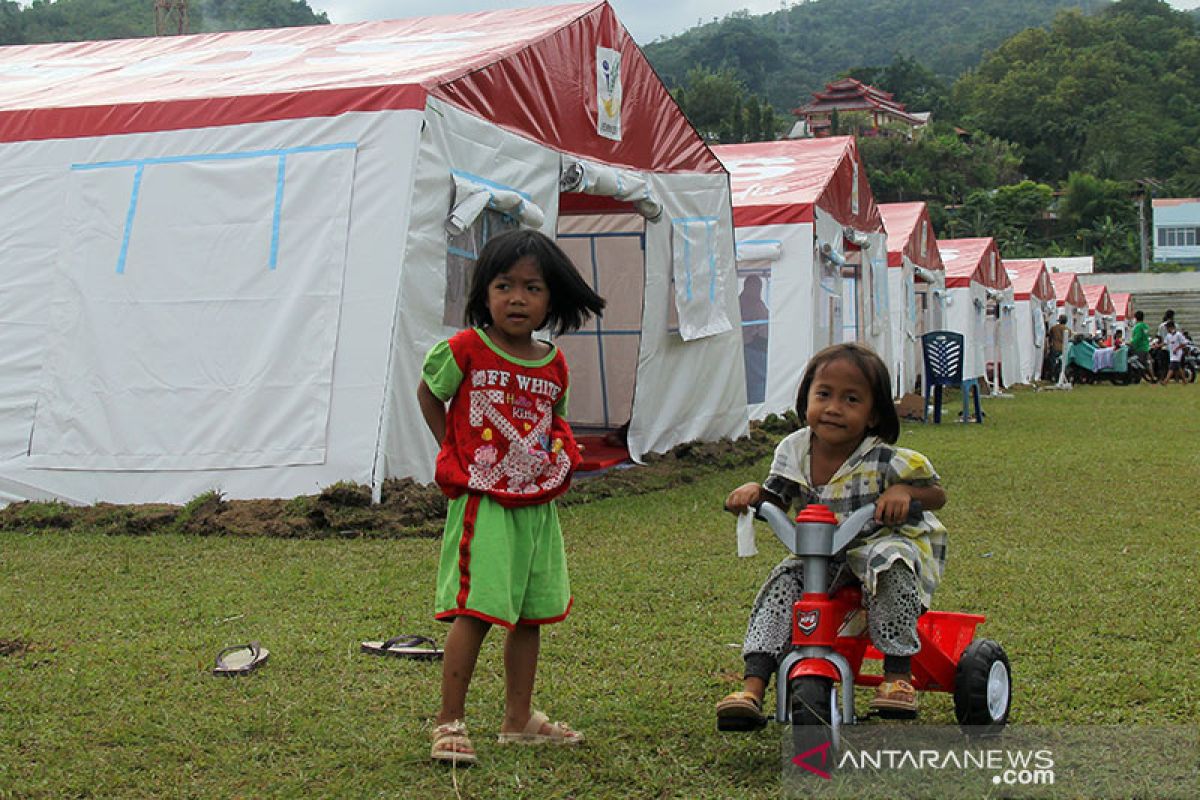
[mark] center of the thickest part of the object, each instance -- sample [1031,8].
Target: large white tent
[811,259]
[226,255]
[916,287]
[1033,294]
[978,288]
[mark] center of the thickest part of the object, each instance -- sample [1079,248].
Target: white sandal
[451,744]
[560,733]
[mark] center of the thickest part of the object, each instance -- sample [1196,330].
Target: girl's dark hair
[572,301]
[887,421]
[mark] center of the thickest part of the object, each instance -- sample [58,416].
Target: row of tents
[225,255]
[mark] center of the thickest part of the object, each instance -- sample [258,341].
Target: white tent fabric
[473,194]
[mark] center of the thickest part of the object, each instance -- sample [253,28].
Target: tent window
[699,291]
[462,251]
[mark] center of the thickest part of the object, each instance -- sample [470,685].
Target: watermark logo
[820,751]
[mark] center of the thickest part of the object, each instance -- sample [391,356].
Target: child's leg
[769,630]
[892,613]
[458,665]
[520,668]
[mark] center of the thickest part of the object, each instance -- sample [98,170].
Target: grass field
[1074,526]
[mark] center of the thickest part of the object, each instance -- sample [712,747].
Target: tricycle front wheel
[815,714]
[983,687]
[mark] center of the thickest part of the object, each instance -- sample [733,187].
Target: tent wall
[675,399]
[966,311]
[188,305]
[905,327]
[804,299]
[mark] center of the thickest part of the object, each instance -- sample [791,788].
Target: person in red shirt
[506,453]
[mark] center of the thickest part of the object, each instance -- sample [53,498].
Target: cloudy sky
[645,19]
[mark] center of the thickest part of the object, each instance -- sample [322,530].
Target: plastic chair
[943,352]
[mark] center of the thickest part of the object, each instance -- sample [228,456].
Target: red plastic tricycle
[830,642]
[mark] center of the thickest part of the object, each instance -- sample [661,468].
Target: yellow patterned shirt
[869,470]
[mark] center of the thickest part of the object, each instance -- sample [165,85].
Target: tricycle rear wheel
[983,687]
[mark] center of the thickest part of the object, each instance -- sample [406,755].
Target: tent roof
[1098,301]
[782,182]
[903,223]
[530,70]
[1122,303]
[1030,278]
[1068,289]
[976,260]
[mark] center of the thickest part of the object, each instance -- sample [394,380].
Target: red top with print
[505,433]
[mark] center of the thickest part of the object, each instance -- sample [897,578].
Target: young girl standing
[506,453]
[844,458]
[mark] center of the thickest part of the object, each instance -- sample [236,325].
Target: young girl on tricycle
[845,458]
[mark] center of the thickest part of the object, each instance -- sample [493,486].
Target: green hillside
[785,55]
[87,20]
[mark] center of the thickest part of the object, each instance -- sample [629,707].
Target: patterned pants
[891,613]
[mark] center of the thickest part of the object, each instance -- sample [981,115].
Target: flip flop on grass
[240,659]
[419,648]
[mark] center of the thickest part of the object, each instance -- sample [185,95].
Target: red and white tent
[916,286]
[978,290]
[1070,300]
[1123,311]
[1033,295]
[226,254]
[1101,312]
[811,259]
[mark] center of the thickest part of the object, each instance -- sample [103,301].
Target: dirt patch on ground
[407,508]
[13,647]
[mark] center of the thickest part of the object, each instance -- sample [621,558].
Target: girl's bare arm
[433,410]
[892,506]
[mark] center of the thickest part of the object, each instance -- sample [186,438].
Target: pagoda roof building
[851,95]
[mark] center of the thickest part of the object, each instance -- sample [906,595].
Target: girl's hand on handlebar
[744,496]
[892,506]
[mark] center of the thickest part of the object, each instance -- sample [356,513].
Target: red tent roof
[531,70]
[1067,289]
[781,182]
[1030,278]
[1098,301]
[905,223]
[976,260]
[1123,304]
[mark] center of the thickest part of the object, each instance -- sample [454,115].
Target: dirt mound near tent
[406,509]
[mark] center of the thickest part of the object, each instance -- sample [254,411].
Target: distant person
[1139,341]
[1058,343]
[1168,316]
[1176,344]
[755,332]
[845,457]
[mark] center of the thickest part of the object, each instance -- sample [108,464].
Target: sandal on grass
[896,699]
[451,744]
[740,711]
[559,732]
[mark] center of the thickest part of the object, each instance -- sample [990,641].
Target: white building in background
[1177,229]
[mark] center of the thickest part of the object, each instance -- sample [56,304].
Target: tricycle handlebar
[789,533]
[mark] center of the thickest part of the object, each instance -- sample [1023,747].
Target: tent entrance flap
[195,312]
[609,251]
